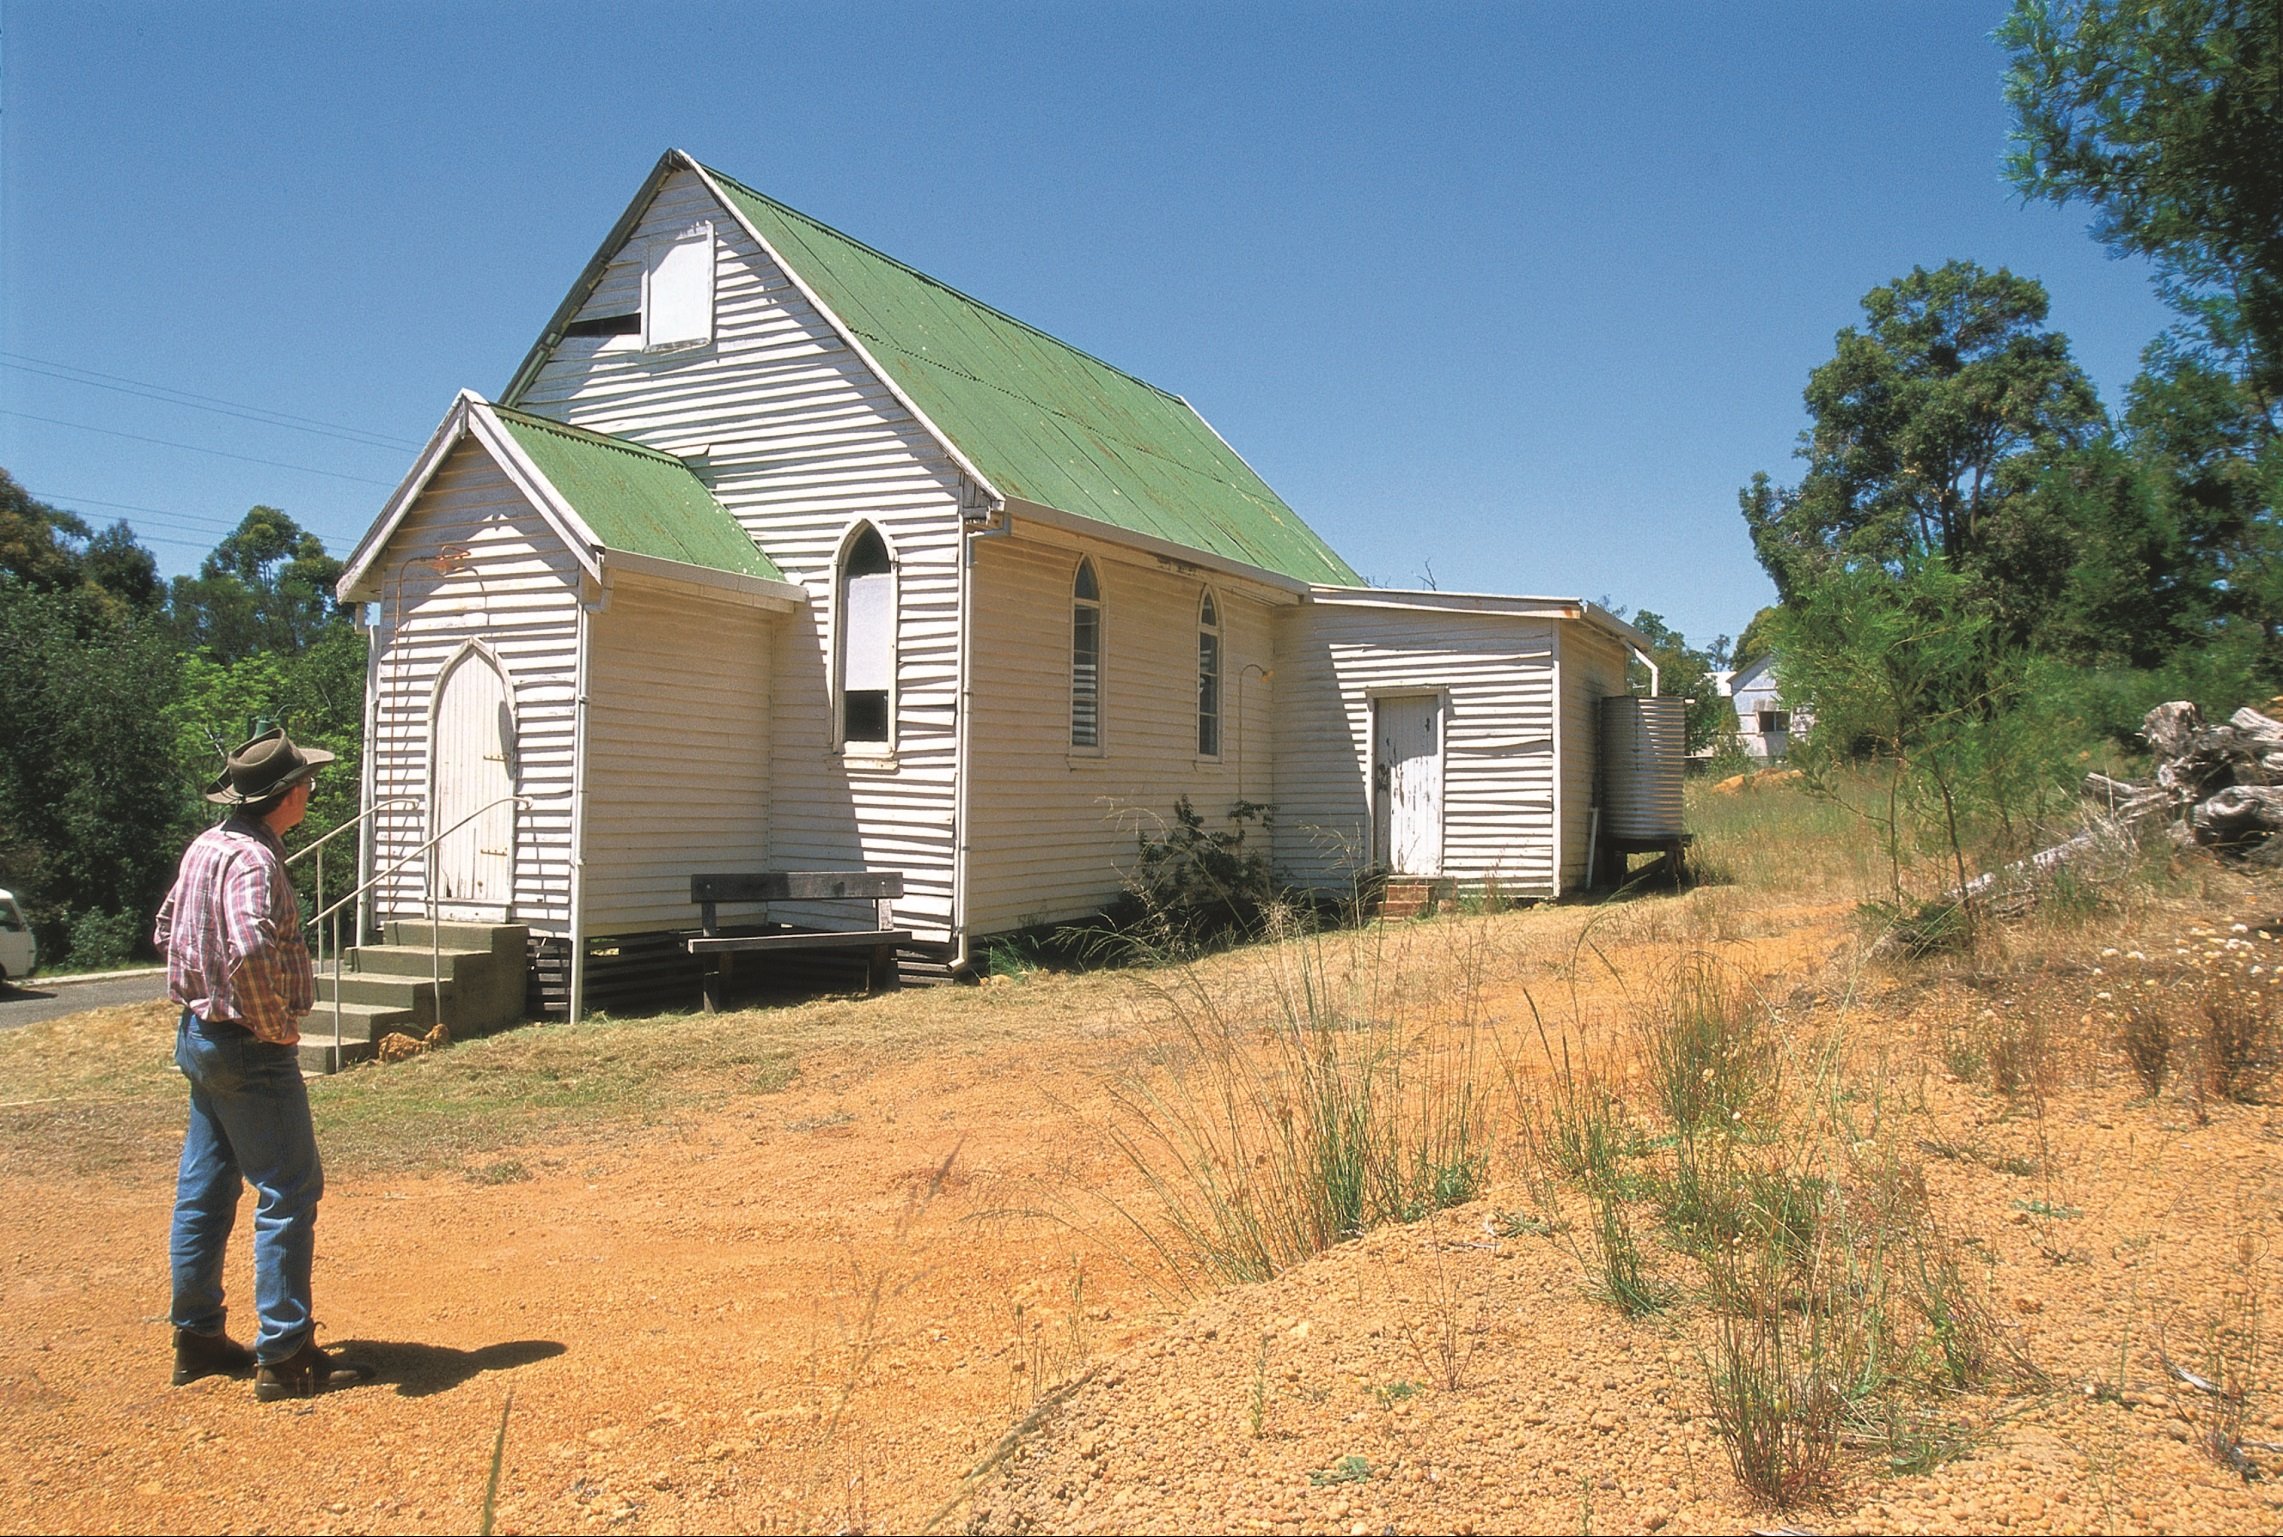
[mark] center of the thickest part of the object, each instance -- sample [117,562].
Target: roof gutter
[1294,590]
[756,591]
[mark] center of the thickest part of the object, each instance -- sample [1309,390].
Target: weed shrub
[2218,994]
[1191,887]
[1707,1056]
[1265,1138]
[1837,1309]
[1777,1410]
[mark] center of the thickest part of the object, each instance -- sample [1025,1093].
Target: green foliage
[2165,118]
[1753,643]
[1929,426]
[121,708]
[92,811]
[268,586]
[35,540]
[1189,886]
[1903,666]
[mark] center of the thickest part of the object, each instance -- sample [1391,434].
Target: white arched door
[473,772]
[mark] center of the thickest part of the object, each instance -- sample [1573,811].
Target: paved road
[21,1004]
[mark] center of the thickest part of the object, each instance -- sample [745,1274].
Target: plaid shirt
[231,933]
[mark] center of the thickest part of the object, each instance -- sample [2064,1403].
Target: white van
[19,951]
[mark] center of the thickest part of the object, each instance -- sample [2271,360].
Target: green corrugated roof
[637,499]
[1041,419]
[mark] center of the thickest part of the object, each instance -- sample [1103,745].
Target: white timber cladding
[677,751]
[800,440]
[515,588]
[1593,668]
[1496,677]
[1051,830]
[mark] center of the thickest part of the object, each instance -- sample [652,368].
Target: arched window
[1208,677]
[867,663]
[1085,659]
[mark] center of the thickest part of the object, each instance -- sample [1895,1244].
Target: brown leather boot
[208,1355]
[306,1373]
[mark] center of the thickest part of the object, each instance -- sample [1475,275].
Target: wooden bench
[717,949]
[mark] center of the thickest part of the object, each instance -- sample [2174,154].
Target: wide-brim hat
[263,767]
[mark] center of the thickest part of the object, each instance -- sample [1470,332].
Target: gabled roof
[1035,418]
[611,502]
[637,499]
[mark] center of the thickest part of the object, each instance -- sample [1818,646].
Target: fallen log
[2220,780]
[2237,813]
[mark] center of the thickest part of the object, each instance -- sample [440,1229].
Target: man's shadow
[417,1370]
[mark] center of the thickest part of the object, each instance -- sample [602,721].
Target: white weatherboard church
[777,555]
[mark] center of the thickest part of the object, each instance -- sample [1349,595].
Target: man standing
[231,934]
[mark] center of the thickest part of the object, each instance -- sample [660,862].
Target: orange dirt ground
[820,1308]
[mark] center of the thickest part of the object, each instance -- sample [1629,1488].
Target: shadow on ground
[417,1370]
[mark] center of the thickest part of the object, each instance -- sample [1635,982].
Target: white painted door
[474,768]
[1407,778]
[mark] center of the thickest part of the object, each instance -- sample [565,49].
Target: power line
[70,372]
[188,522]
[219,453]
[156,512]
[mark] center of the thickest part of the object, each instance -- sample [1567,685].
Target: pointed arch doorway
[472,771]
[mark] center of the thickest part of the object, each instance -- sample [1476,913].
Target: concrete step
[411,960]
[496,938]
[362,1024]
[317,1056]
[415,996]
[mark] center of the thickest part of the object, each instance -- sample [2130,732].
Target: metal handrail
[435,950]
[317,843]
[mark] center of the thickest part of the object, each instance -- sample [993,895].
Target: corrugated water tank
[1642,748]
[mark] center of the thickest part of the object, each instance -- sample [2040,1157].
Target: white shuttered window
[678,308]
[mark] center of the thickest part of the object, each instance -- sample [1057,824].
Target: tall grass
[1270,1130]
[1831,1306]
[1779,838]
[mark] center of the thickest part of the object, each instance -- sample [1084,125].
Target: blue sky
[1512,296]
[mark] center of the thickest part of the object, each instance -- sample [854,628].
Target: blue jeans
[249,1119]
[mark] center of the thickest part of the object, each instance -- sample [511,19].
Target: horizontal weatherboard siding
[800,441]
[677,752]
[517,593]
[1052,829]
[1497,677]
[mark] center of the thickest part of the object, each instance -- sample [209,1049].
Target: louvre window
[1086,659]
[867,672]
[1208,678]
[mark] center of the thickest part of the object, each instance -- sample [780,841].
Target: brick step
[1407,896]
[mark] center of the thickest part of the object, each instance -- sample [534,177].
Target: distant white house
[1765,724]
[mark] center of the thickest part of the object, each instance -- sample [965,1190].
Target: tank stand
[1671,870]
